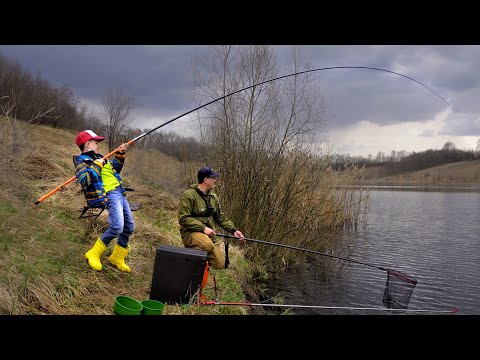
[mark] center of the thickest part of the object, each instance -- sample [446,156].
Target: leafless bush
[275,183]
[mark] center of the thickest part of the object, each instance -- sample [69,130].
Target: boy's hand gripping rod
[73,177]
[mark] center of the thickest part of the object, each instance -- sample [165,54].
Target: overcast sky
[371,111]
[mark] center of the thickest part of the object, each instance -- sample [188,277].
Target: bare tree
[449,146]
[117,105]
[265,142]
[19,136]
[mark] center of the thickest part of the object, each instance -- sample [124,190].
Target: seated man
[198,210]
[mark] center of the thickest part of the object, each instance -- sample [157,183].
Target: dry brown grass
[42,264]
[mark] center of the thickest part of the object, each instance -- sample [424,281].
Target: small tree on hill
[449,145]
[117,105]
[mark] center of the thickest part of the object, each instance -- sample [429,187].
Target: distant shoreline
[418,187]
[413,184]
[457,174]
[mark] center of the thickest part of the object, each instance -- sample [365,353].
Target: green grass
[66,217]
[5,210]
[164,226]
[6,241]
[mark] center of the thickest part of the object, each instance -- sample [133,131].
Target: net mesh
[398,290]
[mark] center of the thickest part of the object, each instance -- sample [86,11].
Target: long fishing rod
[233,93]
[213,302]
[399,286]
[408,279]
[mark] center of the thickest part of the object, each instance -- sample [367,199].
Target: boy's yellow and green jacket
[88,173]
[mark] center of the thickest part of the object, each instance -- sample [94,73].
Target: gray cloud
[160,79]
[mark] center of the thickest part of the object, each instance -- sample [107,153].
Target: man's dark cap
[206,172]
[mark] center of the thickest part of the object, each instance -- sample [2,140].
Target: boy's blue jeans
[120,219]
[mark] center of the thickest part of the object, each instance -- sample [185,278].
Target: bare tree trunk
[18,136]
[117,106]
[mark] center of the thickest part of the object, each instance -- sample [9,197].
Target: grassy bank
[42,267]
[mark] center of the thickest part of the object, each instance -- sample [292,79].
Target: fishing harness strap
[208,214]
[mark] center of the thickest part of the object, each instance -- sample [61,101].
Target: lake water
[432,236]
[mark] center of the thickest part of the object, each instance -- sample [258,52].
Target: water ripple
[430,236]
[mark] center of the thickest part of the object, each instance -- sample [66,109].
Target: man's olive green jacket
[194,212]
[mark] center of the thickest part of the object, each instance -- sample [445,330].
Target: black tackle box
[177,274]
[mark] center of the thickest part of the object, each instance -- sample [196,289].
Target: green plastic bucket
[125,305]
[152,307]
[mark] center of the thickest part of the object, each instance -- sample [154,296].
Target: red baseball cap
[86,135]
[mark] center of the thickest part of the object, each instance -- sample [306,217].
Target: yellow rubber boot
[93,255]
[118,258]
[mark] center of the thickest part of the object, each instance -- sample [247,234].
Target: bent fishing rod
[233,93]
[398,274]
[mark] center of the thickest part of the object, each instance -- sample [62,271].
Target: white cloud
[364,138]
